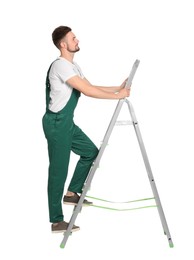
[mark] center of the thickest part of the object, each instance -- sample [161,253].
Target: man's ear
[63,44]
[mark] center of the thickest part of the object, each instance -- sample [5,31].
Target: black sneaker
[62,227]
[73,200]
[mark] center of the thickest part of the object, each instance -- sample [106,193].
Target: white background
[112,35]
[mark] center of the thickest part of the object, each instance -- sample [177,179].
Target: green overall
[63,136]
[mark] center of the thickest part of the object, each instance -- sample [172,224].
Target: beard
[76,49]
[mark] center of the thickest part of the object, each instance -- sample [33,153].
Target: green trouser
[63,136]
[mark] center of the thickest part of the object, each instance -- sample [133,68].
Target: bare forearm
[109,89]
[102,93]
[106,89]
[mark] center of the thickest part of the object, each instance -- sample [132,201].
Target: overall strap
[48,88]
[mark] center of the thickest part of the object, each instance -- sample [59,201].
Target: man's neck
[68,56]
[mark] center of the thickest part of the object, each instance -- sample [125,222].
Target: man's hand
[123,93]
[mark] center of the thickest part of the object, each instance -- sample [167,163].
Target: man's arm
[110,89]
[84,86]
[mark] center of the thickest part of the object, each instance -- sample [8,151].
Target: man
[65,81]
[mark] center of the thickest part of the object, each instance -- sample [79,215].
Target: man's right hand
[123,93]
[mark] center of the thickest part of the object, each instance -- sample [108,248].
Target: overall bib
[63,136]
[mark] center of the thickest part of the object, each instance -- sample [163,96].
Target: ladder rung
[123,122]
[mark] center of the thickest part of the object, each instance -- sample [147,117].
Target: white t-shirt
[61,70]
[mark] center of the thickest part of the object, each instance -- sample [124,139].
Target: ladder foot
[62,246]
[171,245]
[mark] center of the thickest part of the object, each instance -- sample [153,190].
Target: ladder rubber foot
[62,246]
[171,245]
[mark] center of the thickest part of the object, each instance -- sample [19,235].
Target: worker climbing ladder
[95,165]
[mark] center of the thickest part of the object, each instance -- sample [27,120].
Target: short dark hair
[58,34]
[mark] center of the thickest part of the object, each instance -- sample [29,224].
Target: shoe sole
[62,231]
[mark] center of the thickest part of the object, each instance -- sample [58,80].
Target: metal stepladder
[95,165]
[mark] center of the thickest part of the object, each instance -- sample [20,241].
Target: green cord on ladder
[125,202]
[115,209]
[109,201]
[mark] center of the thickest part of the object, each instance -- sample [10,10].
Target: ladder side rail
[149,172]
[97,160]
[92,172]
[132,74]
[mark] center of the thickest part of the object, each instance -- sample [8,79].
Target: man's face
[72,42]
